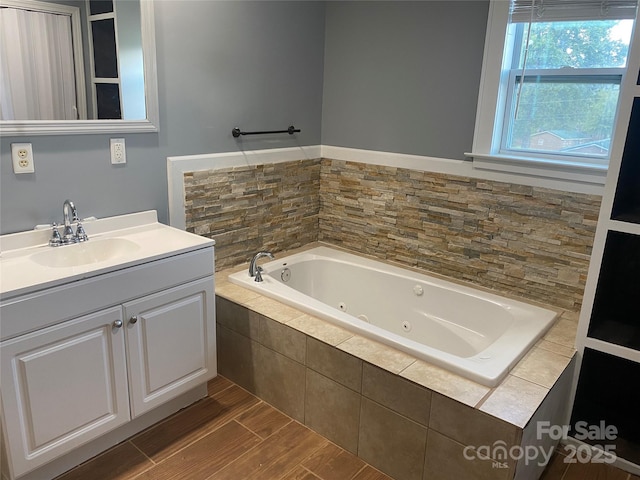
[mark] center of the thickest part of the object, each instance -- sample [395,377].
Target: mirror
[135,108]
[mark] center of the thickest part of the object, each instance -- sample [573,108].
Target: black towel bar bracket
[236,132]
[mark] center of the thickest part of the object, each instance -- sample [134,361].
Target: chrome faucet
[254,269]
[70,216]
[68,208]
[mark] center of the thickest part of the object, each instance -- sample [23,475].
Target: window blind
[558,10]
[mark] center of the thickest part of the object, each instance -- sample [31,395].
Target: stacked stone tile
[250,208]
[527,241]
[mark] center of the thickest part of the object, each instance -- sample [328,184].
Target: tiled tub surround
[245,209]
[406,417]
[531,242]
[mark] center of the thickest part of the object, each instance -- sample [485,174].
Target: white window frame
[487,152]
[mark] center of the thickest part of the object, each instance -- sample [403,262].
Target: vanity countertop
[145,239]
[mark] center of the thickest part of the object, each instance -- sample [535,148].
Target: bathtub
[478,335]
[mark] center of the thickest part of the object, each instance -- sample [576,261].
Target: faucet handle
[80,233]
[55,240]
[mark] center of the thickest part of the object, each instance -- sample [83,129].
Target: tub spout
[254,269]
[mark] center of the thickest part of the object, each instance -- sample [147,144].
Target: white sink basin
[85,253]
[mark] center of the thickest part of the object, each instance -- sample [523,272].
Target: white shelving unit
[608,338]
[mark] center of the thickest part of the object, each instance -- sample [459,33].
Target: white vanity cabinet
[167,343]
[98,355]
[63,386]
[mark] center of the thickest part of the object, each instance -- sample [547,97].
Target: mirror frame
[74,127]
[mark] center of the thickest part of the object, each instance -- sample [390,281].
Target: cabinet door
[171,343]
[63,386]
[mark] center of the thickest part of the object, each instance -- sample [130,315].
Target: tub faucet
[254,269]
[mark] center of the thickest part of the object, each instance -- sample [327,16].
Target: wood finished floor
[229,435]
[233,435]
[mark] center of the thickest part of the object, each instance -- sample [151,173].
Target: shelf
[623,226]
[615,317]
[626,203]
[607,391]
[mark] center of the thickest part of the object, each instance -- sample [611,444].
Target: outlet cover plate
[22,158]
[118,152]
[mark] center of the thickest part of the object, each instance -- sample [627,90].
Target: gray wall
[220,64]
[398,76]
[403,76]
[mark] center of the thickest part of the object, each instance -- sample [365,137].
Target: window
[551,78]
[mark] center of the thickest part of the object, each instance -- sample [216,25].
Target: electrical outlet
[118,152]
[22,156]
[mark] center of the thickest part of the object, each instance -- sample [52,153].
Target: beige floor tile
[320,329]
[515,400]
[557,348]
[377,354]
[541,366]
[235,293]
[563,333]
[446,383]
[273,309]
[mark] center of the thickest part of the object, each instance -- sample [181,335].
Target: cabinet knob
[133,319]
[117,324]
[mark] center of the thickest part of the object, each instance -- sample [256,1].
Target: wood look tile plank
[556,468]
[370,473]
[121,462]
[300,473]
[275,456]
[594,471]
[217,385]
[166,438]
[332,462]
[206,456]
[263,420]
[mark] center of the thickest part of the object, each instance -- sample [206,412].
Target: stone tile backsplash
[528,241]
[250,208]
